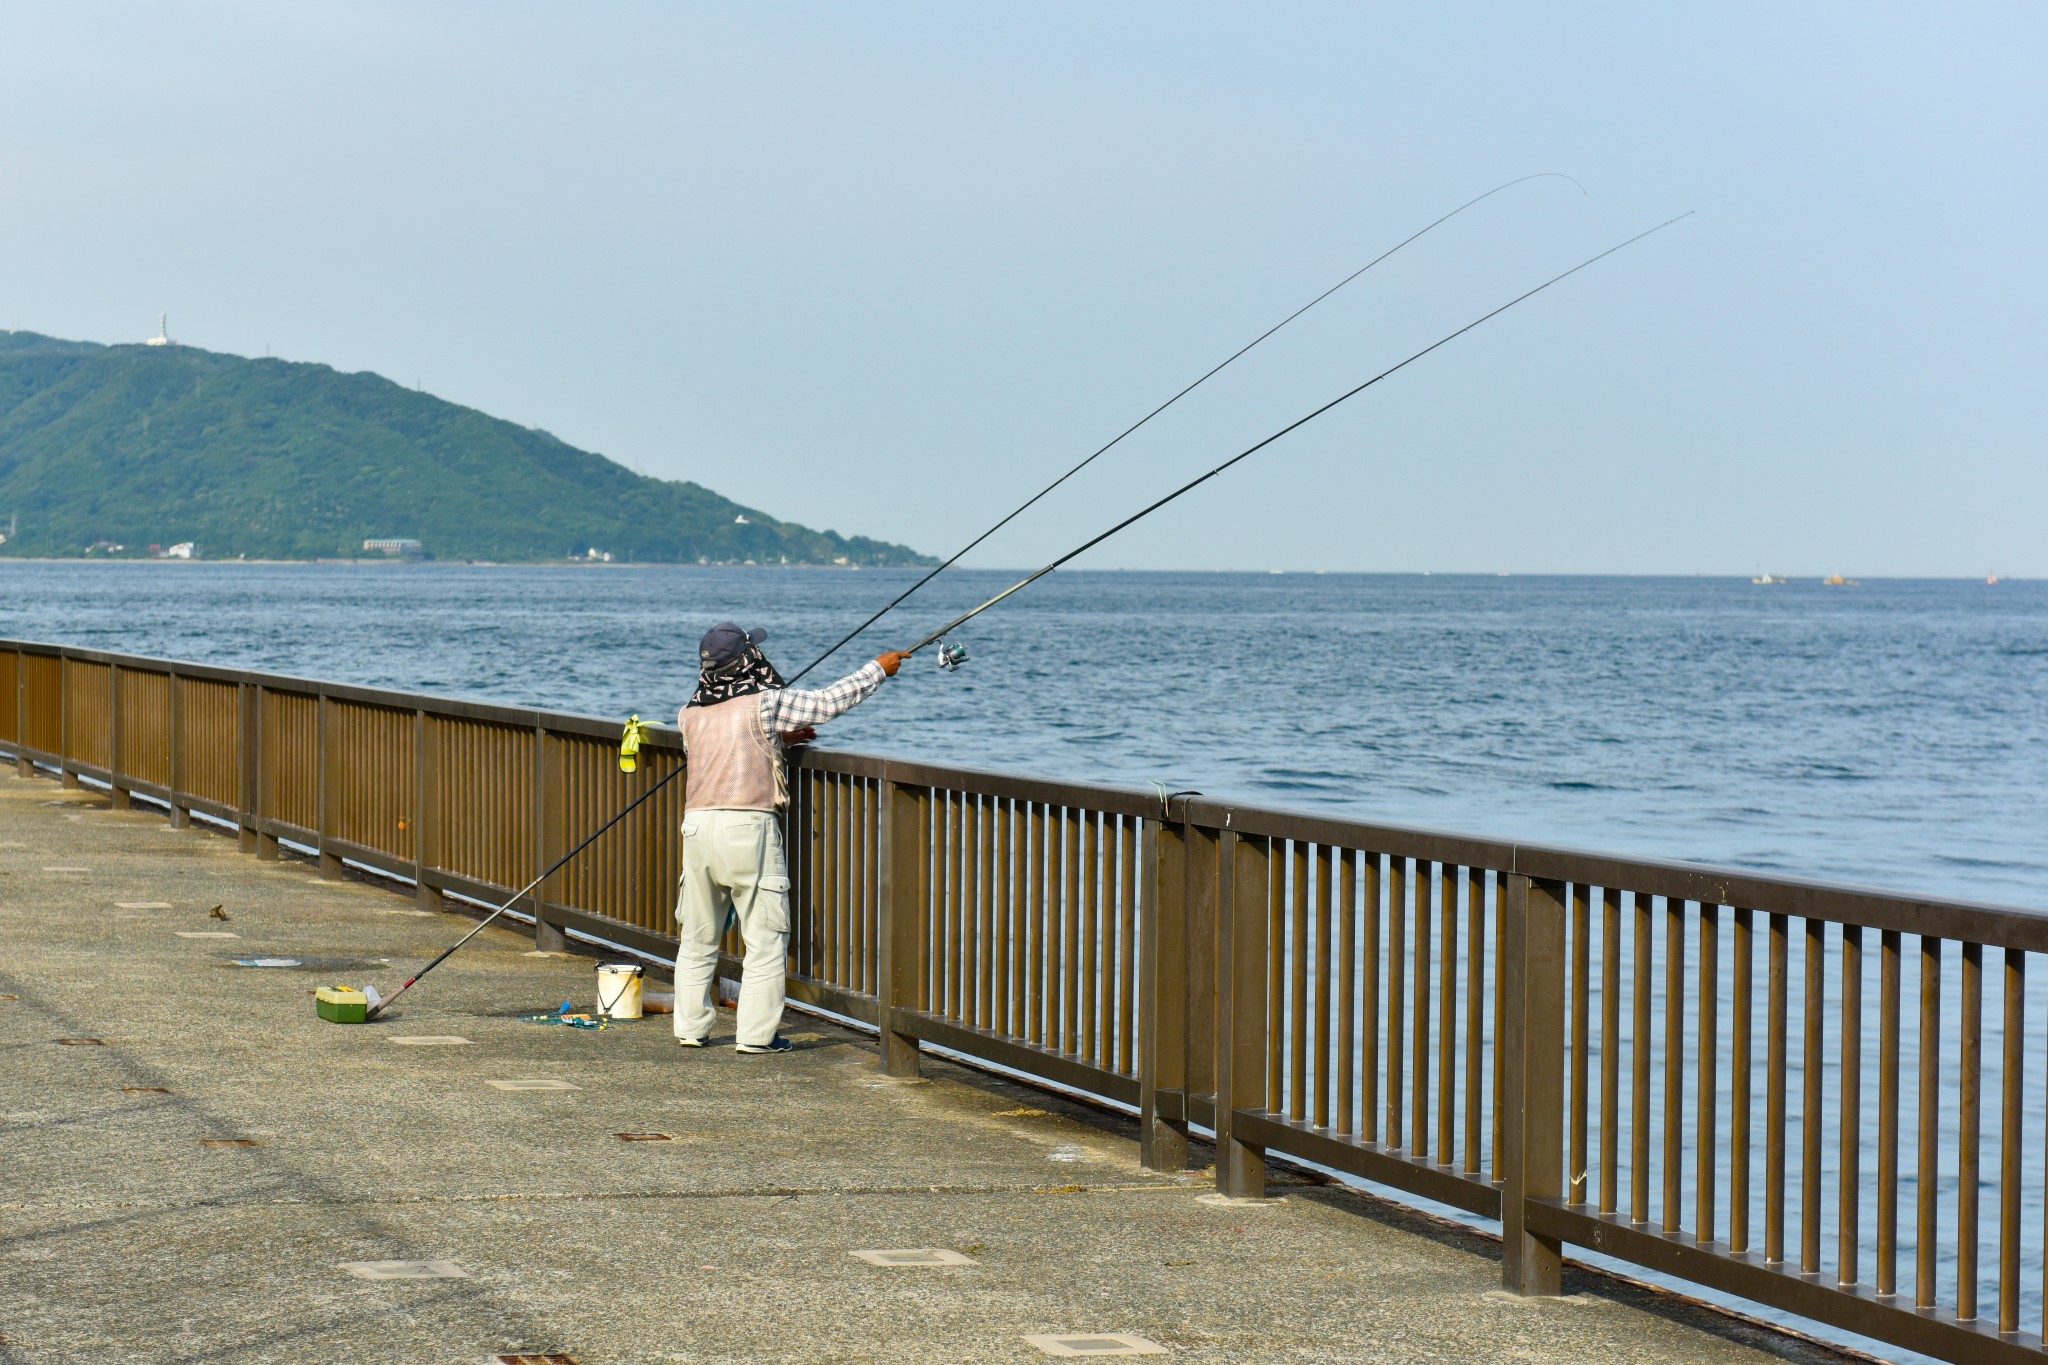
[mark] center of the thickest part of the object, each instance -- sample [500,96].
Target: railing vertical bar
[876,924]
[959,879]
[1002,932]
[1774,1090]
[1969,1125]
[1326,866]
[842,846]
[1070,930]
[1888,1113]
[1475,1016]
[1421,991]
[1707,1105]
[1810,1117]
[1850,1184]
[816,874]
[1501,1117]
[1581,910]
[1130,839]
[1927,1173]
[974,854]
[1639,1066]
[1343,862]
[1741,1085]
[803,833]
[1610,1049]
[1447,1028]
[2011,1072]
[1035,995]
[1397,997]
[945,900]
[858,918]
[1369,1002]
[1275,959]
[828,961]
[1017,907]
[988,829]
[1674,1060]
[1297,992]
[1091,928]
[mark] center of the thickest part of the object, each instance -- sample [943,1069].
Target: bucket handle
[605,1007]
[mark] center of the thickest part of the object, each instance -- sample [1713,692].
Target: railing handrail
[1869,907]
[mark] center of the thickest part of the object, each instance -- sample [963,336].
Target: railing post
[902,881]
[329,803]
[547,836]
[181,817]
[426,794]
[66,774]
[261,765]
[1532,964]
[1162,995]
[117,793]
[1240,1010]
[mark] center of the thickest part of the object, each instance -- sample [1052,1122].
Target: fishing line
[1344,397]
[1028,502]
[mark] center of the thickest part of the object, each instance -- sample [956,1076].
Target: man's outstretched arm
[793,709]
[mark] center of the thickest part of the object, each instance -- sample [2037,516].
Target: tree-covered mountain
[156,445]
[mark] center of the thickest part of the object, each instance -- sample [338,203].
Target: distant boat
[1837,581]
[1769,580]
[1991,580]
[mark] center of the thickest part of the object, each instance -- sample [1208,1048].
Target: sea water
[1892,733]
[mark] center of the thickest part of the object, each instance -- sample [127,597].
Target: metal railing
[1594,1050]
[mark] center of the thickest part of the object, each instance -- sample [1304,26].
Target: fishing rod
[953,657]
[959,554]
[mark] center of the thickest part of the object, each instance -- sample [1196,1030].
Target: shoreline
[1740,576]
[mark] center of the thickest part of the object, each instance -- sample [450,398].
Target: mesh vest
[733,764]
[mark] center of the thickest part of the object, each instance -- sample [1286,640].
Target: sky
[889,268]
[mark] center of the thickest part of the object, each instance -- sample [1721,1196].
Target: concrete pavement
[129,1233]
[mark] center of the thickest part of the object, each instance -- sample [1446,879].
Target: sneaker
[689,1042]
[776,1044]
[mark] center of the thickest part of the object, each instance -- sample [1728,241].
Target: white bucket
[618,990]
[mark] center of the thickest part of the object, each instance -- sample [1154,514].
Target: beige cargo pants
[733,868]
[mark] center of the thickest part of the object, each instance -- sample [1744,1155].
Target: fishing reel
[952,656]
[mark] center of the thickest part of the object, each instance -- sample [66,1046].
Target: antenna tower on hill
[163,331]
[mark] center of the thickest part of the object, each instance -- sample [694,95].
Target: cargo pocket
[771,904]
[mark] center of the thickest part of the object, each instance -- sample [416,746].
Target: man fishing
[734,728]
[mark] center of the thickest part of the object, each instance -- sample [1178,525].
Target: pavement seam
[784,1192]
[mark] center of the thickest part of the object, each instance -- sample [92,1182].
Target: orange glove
[890,662]
[803,734]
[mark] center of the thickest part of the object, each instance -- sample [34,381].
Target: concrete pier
[136,1225]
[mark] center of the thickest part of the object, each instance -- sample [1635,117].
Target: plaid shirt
[787,709]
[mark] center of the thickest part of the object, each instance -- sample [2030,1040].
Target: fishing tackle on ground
[1196,482]
[957,555]
[379,1006]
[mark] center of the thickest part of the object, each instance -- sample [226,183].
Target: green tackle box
[342,1004]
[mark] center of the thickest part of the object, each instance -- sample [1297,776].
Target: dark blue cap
[725,644]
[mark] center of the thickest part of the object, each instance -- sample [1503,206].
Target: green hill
[154,445]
